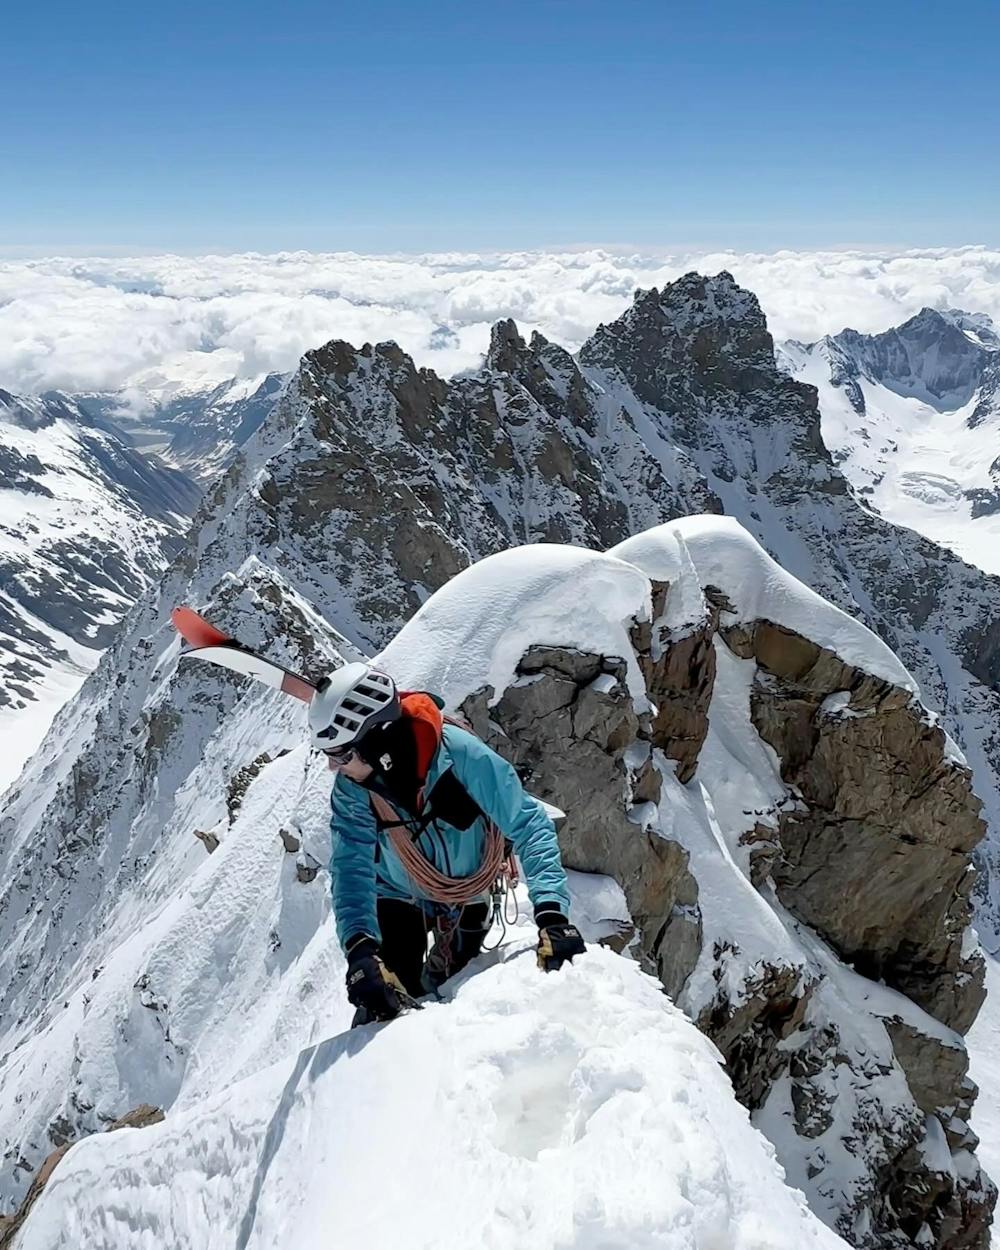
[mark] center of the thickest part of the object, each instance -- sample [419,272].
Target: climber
[423,816]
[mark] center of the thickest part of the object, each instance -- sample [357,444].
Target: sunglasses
[340,755]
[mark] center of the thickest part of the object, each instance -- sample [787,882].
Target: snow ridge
[370,485]
[573,1111]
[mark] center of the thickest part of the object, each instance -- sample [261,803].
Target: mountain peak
[700,328]
[937,356]
[506,345]
[927,316]
[696,296]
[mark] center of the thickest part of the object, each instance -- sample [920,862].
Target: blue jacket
[358,880]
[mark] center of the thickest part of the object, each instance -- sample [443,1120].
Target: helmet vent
[353,700]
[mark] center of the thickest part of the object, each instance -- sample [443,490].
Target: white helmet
[348,703]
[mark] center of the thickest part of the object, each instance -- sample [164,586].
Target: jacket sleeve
[498,792]
[353,839]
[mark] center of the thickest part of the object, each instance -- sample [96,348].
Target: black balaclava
[391,750]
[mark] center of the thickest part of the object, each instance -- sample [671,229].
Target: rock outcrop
[698,357]
[877,858]
[573,733]
[864,1092]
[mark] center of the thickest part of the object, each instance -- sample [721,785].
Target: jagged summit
[706,327]
[936,356]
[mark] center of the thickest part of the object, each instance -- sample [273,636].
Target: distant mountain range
[912,417]
[95,500]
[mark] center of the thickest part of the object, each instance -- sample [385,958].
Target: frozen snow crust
[531,1112]
[473,631]
[721,553]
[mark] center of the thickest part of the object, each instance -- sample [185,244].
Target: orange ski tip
[195,629]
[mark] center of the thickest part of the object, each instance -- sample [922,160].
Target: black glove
[558,940]
[377,992]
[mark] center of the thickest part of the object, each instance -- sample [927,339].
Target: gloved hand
[558,940]
[375,990]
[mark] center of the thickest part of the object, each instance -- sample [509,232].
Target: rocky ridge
[698,361]
[793,836]
[677,407]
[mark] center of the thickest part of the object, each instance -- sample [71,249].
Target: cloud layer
[161,321]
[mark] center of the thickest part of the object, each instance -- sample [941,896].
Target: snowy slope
[527,1113]
[912,418]
[86,524]
[370,485]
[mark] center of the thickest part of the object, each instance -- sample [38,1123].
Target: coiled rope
[436,885]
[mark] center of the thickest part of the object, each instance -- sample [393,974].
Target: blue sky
[412,126]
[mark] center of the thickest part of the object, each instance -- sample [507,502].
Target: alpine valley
[97,492]
[713,602]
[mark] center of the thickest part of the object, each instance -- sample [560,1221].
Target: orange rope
[435,885]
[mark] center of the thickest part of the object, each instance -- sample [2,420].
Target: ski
[196,630]
[215,647]
[212,645]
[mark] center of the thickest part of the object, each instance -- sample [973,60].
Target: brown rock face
[872,853]
[878,860]
[570,727]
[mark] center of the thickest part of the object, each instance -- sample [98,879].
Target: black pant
[404,939]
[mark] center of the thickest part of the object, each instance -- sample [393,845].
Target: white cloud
[110,323]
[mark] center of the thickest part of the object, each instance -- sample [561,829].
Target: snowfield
[925,463]
[576,1110]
